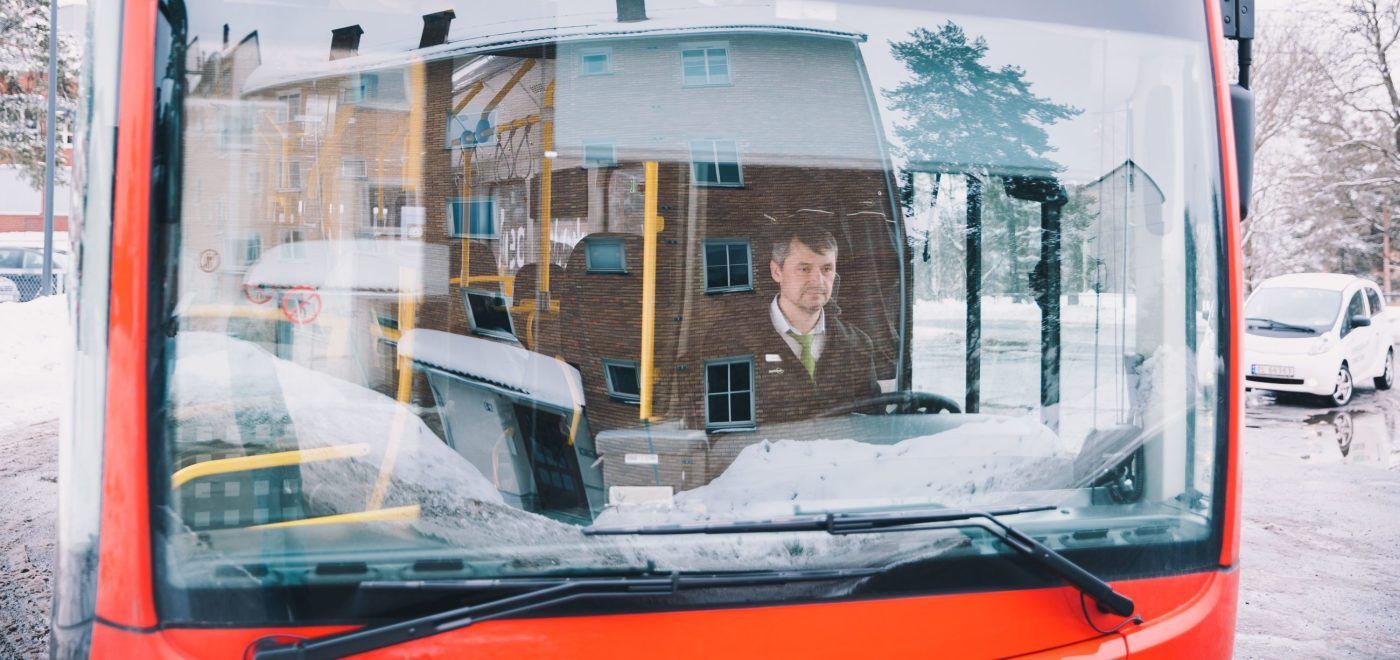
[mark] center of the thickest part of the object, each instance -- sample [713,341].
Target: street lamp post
[51,119]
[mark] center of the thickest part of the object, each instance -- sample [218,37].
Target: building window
[245,251]
[292,238]
[290,178]
[599,154]
[605,255]
[353,168]
[472,218]
[622,381]
[705,64]
[595,62]
[288,106]
[729,393]
[488,313]
[728,265]
[715,163]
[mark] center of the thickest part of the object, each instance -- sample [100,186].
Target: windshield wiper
[1280,325]
[542,593]
[863,523]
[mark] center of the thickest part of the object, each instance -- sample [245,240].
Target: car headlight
[1322,345]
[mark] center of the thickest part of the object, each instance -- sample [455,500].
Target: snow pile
[34,378]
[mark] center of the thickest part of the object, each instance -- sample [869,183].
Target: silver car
[24,267]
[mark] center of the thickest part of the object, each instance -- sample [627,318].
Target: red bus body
[1191,614]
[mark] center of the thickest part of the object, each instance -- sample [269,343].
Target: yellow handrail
[410,512]
[262,461]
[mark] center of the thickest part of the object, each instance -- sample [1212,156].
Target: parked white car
[1318,333]
[9,291]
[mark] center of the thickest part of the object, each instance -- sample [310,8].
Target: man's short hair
[815,238]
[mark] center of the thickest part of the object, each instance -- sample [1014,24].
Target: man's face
[805,278]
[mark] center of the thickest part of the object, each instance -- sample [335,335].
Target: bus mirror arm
[1238,19]
[1242,109]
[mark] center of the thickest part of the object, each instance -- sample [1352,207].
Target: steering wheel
[905,403]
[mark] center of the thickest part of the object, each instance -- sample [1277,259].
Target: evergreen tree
[962,111]
[24,60]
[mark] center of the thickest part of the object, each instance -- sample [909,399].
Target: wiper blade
[1280,325]
[839,523]
[546,592]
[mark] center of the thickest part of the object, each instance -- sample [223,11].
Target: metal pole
[46,287]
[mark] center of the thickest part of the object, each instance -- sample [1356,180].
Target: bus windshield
[445,293]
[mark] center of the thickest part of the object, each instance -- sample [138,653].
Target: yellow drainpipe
[651,226]
[547,191]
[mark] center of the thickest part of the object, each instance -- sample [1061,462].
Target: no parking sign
[301,305]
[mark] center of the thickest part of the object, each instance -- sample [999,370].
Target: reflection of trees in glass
[960,110]
[964,116]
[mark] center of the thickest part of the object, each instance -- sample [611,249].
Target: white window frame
[710,79]
[284,180]
[713,157]
[584,53]
[292,238]
[726,242]
[285,104]
[613,393]
[711,425]
[363,172]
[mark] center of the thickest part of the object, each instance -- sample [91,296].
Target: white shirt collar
[781,324]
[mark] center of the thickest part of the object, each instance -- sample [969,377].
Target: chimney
[631,11]
[435,28]
[225,36]
[345,42]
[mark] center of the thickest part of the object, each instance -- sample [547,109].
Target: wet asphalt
[1321,543]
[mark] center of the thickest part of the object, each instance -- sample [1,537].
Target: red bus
[675,327]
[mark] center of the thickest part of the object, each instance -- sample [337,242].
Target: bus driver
[811,362]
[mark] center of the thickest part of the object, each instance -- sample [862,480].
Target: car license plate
[1271,370]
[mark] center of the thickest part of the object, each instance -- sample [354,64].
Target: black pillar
[1047,288]
[972,400]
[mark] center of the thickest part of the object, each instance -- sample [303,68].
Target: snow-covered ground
[1321,492]
[33,387]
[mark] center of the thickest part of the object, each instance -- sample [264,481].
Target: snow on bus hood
[354,265]
[230,396]
[973,464]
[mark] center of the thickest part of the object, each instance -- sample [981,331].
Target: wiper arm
[838,523]
[1280,325]
[547,593]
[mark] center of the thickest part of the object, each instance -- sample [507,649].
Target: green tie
[807,359]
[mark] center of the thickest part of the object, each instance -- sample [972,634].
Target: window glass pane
[716,277]
[727,173]
[624,379]
[706,173]
[716,377]
[739,407]
[739,275]
[738,376]
[719,408]
[715,254]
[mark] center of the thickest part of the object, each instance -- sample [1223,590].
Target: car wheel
[1341,394]
[1387,378]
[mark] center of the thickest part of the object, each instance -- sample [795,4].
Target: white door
[1357,340]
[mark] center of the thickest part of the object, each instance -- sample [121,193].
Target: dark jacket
[845,374]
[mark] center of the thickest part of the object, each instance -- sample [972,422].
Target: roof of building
[557,29]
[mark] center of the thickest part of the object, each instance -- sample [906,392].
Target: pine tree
[962,111]
[24,58]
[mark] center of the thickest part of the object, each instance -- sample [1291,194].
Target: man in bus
[811,362]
